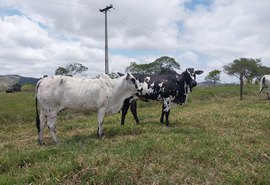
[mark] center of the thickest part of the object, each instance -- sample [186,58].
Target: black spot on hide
[133,80]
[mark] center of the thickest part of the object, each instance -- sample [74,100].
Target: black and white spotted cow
[168,88]
[265,83]
[102,94]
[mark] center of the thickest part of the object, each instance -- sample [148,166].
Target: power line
[143,30]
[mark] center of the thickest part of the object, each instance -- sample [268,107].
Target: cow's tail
[37,116]
[37,113]
[262,84]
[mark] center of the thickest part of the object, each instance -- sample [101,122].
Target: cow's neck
[120,92]
[182,76]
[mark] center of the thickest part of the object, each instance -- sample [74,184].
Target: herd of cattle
[109,96]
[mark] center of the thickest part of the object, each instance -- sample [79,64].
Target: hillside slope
[8,80]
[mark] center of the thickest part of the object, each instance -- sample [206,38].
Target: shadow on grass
[112,132]
[123,131]
[81,139]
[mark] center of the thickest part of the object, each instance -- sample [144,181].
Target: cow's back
[70,92]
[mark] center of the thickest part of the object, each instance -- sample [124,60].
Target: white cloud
[47,34]
[233,29]
[26,46]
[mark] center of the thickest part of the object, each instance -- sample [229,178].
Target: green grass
[214,139]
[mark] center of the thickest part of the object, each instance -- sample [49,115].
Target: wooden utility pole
[106,38]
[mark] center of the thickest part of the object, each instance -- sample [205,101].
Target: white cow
[101,94]
[265,83]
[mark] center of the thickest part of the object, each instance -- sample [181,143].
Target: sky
[36,37]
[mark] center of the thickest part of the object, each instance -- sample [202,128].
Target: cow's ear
[128,76]
[120,74]
[198,72]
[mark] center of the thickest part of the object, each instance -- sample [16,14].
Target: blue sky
[6,11]
[193,4]
[40,36]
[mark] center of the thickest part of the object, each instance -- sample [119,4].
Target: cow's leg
[166,110]
[133,108]
[124,111]
[41,127]
[162,115]
[51,123]
[268,91]
[167,117]
[101,115]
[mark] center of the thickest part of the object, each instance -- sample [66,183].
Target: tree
[70,69]
[16,87]
[61,71]
[113,75]
[262,70]
[243,68]
[159,66]
[213,76]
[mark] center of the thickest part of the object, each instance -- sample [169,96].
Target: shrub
[28,88]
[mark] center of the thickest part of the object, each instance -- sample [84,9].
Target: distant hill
[209,83]
[7,81]
[27,80]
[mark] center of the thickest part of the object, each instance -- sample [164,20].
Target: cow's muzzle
[193,84]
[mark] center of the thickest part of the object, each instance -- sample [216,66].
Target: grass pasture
[214,139]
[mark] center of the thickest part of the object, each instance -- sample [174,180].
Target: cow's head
[186,81]
[133,82]
[190,77]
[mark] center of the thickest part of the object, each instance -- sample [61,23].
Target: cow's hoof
[41,143]
[99,135]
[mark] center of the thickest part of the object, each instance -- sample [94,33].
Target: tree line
[245,69]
